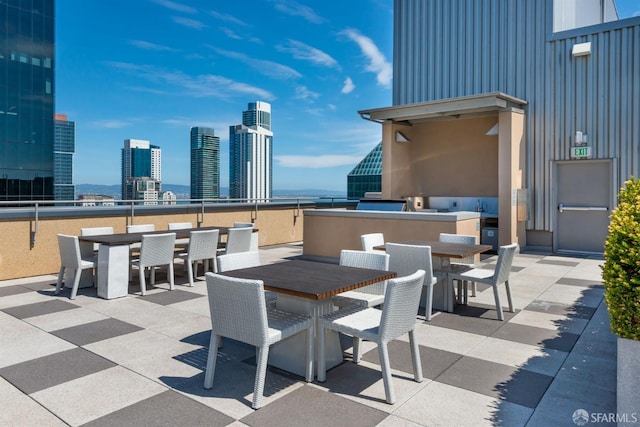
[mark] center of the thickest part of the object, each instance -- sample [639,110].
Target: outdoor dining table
[441,253]
[307,287]
[113,257]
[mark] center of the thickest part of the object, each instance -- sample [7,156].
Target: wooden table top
[129,238]
[311,279]
[447,250]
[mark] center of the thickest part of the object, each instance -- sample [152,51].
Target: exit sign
[580,152]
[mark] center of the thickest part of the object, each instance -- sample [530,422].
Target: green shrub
[621,270]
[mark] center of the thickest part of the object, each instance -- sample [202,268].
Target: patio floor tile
[569,310]
[170,297]
[39,308]
[473,318]
[48,371]
[95,331]
[18,406]
[544,338]
[13,290]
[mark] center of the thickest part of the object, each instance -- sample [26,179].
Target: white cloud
[201,86]
[378,64]
[348,86]
[302,92]
[228,18]
[151,46]
[268,68]
[188,22]
[317,162]
[179,7]
[109,124]
[230,33]
[305,52]
[293,8]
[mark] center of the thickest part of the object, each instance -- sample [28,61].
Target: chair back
[242,224]
[95,231]
[503,265]
[401,305]
[407,259]
[157,249]
[369,241]
[228,262]
[69,251]
[238,308]
[203,244]
[239,240]
[375,260]
[461,238]
[140,228]
[179,225]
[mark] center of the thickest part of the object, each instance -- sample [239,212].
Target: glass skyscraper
[205,163]
[64,146]
[26,99]
[367,175]
[141,170]
[250,154]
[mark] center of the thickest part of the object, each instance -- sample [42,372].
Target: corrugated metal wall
[451,48]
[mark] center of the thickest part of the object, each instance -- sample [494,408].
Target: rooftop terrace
[140,360]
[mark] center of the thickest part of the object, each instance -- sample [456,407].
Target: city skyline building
[205,163]
[64,147]
[250,154]
[367,175]
[141,170]
[27,106]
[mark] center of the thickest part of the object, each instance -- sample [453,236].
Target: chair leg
[310,354]
[415,357]
[76,283]
[211,360]
[322,363]
[60,278]
[474,289]
[190,271]
[428,302]
[506,284]
[143,284]
[170,273]
[386,372]
[498,306]
[152,275]
[357,353]
[261,373]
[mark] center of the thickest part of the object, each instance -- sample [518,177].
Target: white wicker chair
[238,311]
[181,244]
[371,240]
[368,296]
[255,239]
[140,228]
[228,262]
[406,259]
[458,265]
[70,258]
[203,246]
[95,231]
[238,240]
[397,317]
[155,250]
[493,278]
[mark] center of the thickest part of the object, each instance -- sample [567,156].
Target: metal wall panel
[451,48]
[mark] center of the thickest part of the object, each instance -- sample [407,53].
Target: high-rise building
[205,163]
[367,175]
[26,100]
[64,146]
[141,170]
[250,154]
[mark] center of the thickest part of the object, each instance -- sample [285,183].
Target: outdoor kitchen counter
[328,231]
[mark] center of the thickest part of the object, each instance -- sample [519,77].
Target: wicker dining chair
[459,265]
[371,240]
[491,277]
[156,250]
[397,317]
[368,296]
[202,247]
[228,262]
[255,239]
[71,259]
[239,311]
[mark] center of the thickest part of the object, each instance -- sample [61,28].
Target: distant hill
[184,191]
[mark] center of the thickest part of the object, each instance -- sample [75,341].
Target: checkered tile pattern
[140,360]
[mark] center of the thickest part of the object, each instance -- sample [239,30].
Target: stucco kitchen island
[328,231]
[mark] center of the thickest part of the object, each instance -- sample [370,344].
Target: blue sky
[152,69]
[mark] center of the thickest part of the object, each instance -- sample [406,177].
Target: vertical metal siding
[452,48]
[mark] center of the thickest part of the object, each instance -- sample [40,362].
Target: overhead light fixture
[581,49]
[494,130]
[400,137]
